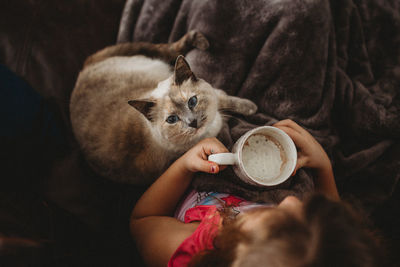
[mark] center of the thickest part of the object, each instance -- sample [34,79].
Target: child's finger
[208,166]
[214,146]
[291,124]
[298,139]
[301,162]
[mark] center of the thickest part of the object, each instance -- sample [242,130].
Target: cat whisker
[228,116]
[184,134]
[225,109]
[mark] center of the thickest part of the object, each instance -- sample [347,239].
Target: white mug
[287,153]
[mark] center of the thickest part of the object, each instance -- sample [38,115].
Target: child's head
[319,233]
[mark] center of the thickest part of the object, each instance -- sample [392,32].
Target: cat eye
[172,119]
[192,102]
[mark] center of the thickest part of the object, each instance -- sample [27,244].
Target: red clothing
[202,238]
[203,207]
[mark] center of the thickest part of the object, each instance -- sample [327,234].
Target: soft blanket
[331,66]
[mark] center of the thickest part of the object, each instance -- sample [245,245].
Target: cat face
[182,109]
[186,115]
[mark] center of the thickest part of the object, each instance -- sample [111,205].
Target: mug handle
[223,158]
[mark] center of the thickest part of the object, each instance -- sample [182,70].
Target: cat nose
[193,124]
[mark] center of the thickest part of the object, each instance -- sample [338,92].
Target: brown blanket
[331,66]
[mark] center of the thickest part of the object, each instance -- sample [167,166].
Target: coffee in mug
[264,156]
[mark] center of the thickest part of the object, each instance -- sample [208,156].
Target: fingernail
[213,169]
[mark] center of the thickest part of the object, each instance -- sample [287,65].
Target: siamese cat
[133,113]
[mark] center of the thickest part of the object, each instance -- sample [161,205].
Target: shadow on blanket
[332,66]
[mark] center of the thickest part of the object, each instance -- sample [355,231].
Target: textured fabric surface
[331,66]
[45,43]
[53,210]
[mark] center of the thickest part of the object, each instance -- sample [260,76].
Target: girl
[204,232]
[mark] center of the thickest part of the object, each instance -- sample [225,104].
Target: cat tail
[166,51]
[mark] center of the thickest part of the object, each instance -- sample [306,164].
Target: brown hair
[329,234]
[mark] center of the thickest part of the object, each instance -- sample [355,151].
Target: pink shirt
[201,239]
[203,207]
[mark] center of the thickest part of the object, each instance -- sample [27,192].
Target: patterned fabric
[202,238]
[203,207]
[220,200]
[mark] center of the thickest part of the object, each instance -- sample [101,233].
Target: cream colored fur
[127,144]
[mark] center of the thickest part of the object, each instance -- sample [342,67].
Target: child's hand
[310,153]
[195,159]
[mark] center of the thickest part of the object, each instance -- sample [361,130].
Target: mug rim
[279,179]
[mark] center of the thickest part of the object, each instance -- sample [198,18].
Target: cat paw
[247,107]
[198,40]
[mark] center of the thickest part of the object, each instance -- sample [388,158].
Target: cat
[133,113]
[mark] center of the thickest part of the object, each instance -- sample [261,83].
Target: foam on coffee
[262,157]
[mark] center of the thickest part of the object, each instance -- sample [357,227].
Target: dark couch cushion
[77,217]
[46,42]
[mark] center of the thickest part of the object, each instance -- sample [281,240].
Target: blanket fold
[331,66]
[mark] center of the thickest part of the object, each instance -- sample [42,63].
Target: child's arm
[311,155]
[163,195]
[157,235]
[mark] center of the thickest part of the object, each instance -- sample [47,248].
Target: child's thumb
[209,167]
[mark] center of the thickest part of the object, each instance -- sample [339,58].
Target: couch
[53,210]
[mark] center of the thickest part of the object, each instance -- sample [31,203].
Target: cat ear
[144,106]
[182,71]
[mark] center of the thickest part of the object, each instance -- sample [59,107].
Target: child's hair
[330,234]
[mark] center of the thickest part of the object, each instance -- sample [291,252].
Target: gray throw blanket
[331,66]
